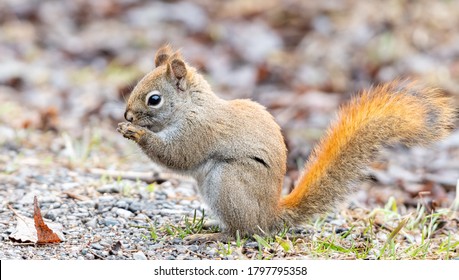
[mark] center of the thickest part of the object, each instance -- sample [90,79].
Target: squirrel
[236,152]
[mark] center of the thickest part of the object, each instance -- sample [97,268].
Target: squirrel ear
[176,70]
[177,66]
[162,55]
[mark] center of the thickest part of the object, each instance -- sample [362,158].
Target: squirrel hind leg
[246,204]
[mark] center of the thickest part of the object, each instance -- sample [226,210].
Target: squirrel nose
[128,116]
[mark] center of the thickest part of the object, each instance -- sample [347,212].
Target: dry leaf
[49,119]
[44,233]
[25,230]
[35,230]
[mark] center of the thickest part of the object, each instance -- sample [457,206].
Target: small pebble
[251,244]
[105,243]
[111,221]
[193,248]
[87,203]
[135,206]
[139,256]
[92,223]
[110,188]
[157,246]
[122,204]
[167,212]
[106,199]
[124,213]
[141,217]
[185,202]
[181,249]
[212,252]
[70,185]
[96,246]
[170,193]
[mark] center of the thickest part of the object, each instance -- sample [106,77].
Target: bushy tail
[385,115]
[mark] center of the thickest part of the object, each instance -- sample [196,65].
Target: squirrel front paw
[130,131]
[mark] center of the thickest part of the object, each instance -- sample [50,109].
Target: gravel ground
[93,227]
[106,218]
[111,218]
[102,217]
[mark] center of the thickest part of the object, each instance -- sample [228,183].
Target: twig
[197,254]
[97,255]
[383,226]
[14,211]
[76,196]
[148,177]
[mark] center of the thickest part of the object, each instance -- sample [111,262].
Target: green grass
[386,234]
[187,227]
[225,249]
[381,234]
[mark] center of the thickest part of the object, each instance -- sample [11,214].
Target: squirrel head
[164,95]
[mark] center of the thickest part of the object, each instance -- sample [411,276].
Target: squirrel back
[235,150]
[388,114]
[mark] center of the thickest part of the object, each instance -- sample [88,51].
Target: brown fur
[235,150]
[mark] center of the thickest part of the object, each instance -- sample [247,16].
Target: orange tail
[385,115]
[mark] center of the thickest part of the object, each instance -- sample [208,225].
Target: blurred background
[70,65]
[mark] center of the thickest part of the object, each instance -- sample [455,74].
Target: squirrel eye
[154,99]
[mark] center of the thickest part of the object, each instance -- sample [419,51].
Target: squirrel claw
[130,131]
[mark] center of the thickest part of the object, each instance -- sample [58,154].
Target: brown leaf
[26,231]
[44,233]
[49,119]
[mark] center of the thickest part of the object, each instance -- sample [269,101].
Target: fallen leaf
[35,230]
[49,119]
[25,230]
[44,233]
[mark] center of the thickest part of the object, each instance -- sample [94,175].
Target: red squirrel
[236,152]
